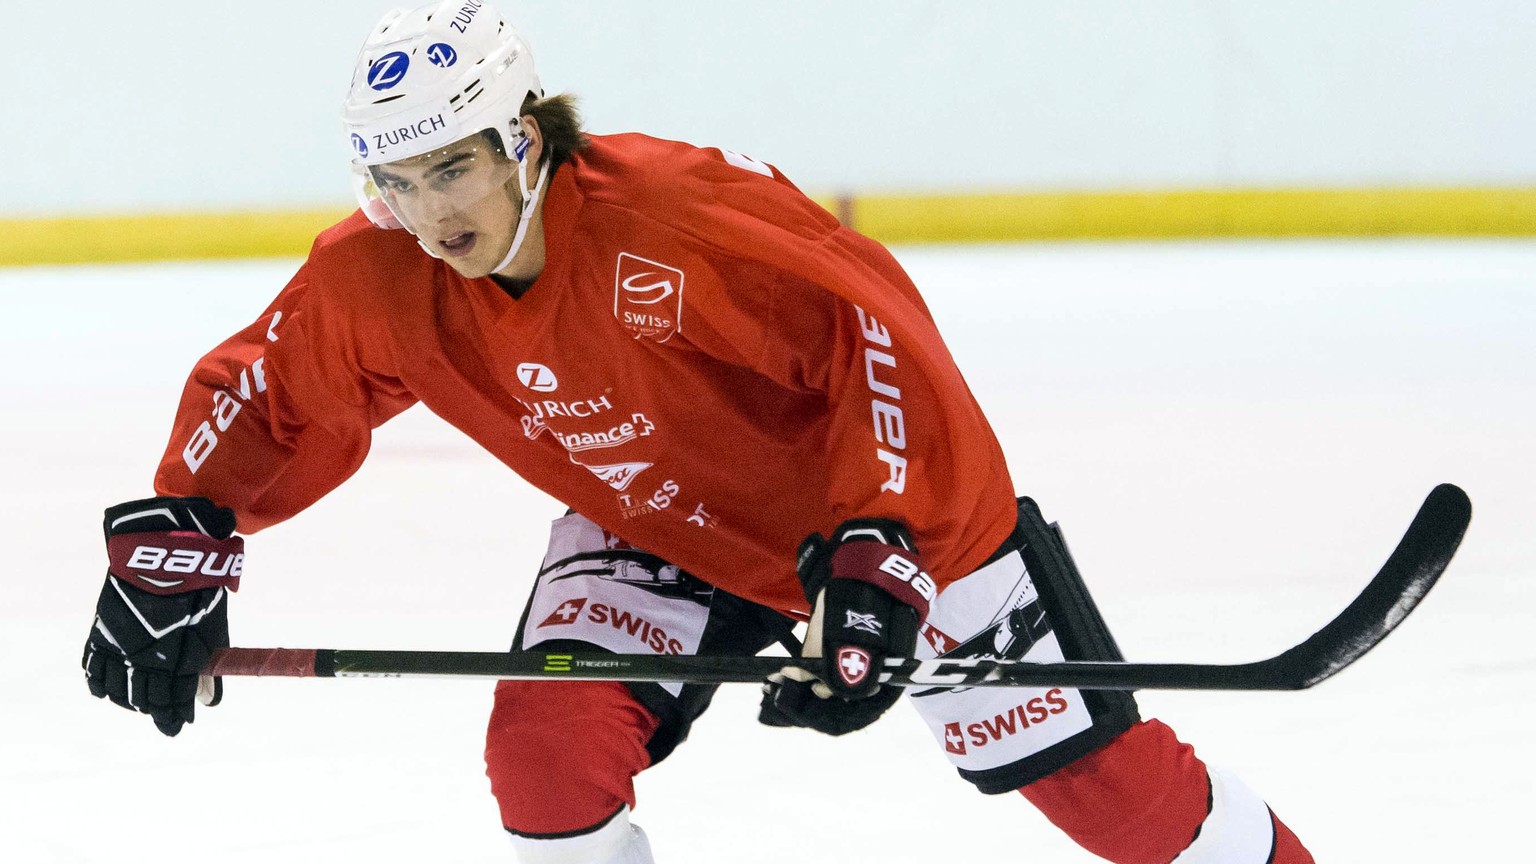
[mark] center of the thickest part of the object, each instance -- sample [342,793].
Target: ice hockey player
[747,409]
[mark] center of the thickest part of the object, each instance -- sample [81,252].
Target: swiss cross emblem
[954,742]
[852,664]
[647,297]
[565,613]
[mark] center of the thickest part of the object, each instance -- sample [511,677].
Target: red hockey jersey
[709,366]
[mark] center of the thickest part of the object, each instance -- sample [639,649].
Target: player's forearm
[908,442]
[257,431]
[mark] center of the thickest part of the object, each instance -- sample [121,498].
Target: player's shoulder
[630,155]
[356,260]
[691,187]
[634,167]
[356,241]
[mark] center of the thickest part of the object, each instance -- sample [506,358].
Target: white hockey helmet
[431,76]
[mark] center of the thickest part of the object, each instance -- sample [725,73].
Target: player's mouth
[460,244]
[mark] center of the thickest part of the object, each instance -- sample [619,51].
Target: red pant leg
[1136,800]
[562,755]
[1142,799]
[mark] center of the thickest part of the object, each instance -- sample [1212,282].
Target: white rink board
[1232,436]
[867,95]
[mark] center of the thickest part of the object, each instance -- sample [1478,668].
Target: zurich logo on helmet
[442,54]
[359,145]
[387,71]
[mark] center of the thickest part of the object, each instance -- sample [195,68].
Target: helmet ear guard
[512,142]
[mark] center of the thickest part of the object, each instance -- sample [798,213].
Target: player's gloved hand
[868,596]
[161,613]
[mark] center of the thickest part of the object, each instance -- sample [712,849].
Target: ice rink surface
[1232,436]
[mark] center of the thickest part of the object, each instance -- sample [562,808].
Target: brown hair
[560,123]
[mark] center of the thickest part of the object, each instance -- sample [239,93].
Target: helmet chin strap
[530,198]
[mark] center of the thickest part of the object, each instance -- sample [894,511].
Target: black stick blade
[1412,569]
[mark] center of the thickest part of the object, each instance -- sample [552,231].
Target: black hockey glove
[161,613]
[868,596]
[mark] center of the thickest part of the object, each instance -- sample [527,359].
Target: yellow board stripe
[925,218]
[1196,213]
[162,236]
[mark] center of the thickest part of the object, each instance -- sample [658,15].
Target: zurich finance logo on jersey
[389,70]
[537,377]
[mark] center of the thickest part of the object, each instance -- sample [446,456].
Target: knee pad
[562,756]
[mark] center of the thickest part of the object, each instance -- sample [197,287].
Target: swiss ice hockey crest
[852,664]
[647,297]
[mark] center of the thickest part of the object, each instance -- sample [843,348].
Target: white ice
[1232,436]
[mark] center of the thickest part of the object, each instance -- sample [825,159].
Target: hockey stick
[1419,559]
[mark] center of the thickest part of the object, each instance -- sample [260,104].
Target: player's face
[460,201]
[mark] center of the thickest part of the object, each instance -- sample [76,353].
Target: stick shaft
[531,665]
[1413,568]
[267,662]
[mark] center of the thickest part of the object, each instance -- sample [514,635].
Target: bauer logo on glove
[192,561]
